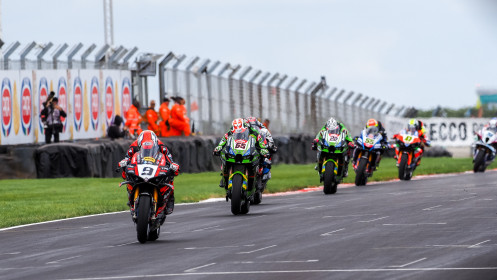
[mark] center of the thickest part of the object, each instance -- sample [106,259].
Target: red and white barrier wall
[91,98]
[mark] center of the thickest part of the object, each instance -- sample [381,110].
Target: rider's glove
[351,144]
[175,167]
[314,144]
[428,143]
[217,151]
[123,163]
[264,153]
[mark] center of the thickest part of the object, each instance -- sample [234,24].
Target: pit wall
[91,99]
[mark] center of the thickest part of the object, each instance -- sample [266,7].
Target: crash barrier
[91,99]
[99,158]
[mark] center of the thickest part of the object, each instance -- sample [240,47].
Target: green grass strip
[36,200]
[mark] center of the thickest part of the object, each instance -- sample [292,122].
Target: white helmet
[331,123]
[492,122]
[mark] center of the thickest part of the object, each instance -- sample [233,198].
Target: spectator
[164,112]
[179,122]
[152,117]
[133,119]
[115,130]
[53,125]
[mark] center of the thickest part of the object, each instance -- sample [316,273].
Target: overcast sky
[419,53]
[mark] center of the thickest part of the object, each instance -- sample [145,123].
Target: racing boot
[170,204]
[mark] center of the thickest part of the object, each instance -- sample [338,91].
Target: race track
[441,227]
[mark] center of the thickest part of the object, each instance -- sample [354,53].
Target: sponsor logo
[95,103]
[109,100]
[26,106]
[43,94]
[78,103]
[62,93]
[151,159]
[126,96]
[6,107]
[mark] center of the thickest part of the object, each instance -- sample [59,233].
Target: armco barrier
[99,158]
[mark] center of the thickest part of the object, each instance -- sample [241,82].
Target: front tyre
[479,165]
[330,186]
[142,217]
[361,177]
[236,194]
[403,167]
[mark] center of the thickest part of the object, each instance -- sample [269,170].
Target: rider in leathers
[254,123]
[237,125]
[333,124]
[150,136]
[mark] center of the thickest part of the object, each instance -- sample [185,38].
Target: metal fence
[216,93]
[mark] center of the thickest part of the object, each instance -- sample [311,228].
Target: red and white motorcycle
[484,148]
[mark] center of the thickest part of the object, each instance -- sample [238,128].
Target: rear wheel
[361,176]
[403,167]
[479,164]
[330,186]
[143,215]
[236,194]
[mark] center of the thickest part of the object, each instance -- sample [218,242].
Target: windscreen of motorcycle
[371,136]
[409,136]
[240,142]
[490,135]
[333,137]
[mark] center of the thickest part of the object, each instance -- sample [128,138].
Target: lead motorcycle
[484,148]
[148,176]
[334,152]
[242,160]
[407,141]
[368,154]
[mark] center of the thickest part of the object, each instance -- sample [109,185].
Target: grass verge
[36,200]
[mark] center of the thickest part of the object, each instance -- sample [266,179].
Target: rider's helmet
[332,126]
[237,124]
[414,123]
[251,121]
[492,123]
[371,123]
[147,138]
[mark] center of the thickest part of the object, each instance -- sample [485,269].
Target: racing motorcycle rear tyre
[361,177]
[142,223]
[479,165]
[236,194]
[330,186]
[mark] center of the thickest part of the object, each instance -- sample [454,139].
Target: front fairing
[409,139]
[333,142]
[240,148]
[369,140]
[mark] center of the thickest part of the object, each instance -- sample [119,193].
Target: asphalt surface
[430,228]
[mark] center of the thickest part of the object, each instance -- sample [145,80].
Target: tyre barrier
[99,158]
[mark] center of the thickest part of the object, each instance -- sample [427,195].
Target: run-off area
[441,227]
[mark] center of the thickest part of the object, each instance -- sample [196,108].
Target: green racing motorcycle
[333,148]
[241,158]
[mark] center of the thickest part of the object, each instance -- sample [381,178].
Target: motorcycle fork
[409,159]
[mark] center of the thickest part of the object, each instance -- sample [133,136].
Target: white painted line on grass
[257,250]
[478,244]
[404,265]
[65,259]
[377,219]
[431,208]
[329,233]
[198,267]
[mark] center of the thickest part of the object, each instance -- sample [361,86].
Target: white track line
[286,272]
[478,244]
[329,233]
[404,265]
[377,219]
[198,267]
[65,259]
[257,250]
[431,208]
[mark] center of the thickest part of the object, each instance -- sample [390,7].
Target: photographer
[51,118]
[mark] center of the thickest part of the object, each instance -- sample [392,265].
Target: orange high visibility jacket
[133,119]
[152,118]
[180,123]
[164,113]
